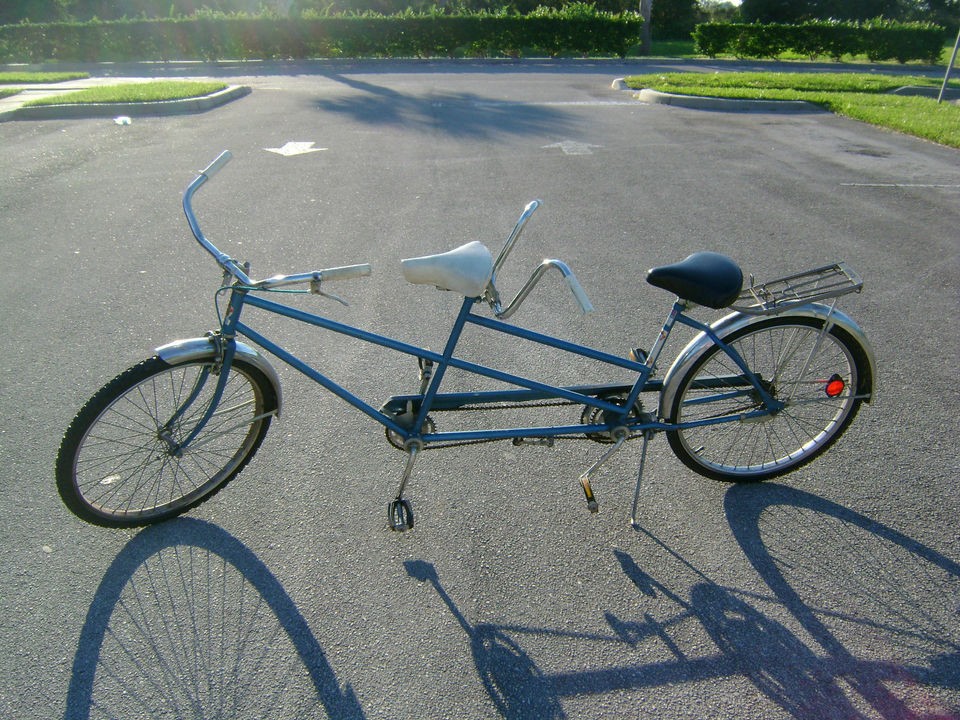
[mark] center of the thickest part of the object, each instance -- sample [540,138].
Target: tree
[646,8]
[674,19]
[721,11]
[776,11]
[15,11]
[855,9]
[944,12]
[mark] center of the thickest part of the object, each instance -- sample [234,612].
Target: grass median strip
[153,91]
[862,96]
[33,78]
[24,78]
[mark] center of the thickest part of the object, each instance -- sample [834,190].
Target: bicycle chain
[515,406]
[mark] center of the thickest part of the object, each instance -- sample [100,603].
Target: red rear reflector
[834,386]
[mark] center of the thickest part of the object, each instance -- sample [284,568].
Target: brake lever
[315,289]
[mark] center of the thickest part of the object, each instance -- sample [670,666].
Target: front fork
[221,369]
[225,349]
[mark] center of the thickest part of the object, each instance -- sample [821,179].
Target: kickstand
[636,493]
[621,436]
[399,513]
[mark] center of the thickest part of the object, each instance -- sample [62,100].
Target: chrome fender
[181,351]
[737,320]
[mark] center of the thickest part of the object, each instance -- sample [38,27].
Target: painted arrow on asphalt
[295,148]
[572,147]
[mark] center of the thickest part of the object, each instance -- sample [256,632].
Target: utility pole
[946,77]
[646,9]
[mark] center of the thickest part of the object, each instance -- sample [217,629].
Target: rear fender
[203,348]
[737,321]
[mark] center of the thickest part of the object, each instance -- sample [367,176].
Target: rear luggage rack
[772,297]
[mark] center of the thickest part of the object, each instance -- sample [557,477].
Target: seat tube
[651,361]
[441,368]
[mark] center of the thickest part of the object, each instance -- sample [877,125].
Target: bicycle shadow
[513,681]
[889,649]
[187,621]
[749,645]
[890,600]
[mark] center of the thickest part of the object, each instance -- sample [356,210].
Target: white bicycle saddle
[465,270]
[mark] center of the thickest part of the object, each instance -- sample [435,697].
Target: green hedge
[408,35]
[877,39]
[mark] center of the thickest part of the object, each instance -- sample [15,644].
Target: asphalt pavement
[15,107]
[831,592]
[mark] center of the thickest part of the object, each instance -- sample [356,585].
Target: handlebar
[232,267]
[316,277]
[493,295]
[515,235]
[214,167]
[578,293]
[576,288]
[345,272]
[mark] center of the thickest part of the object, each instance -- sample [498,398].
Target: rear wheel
[120,463]
[815,374]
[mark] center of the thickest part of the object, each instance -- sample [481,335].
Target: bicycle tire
[115,469]
[777,350]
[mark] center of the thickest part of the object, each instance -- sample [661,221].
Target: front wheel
[815,374]
[120,463]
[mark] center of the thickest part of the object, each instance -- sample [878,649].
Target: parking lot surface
[831,592]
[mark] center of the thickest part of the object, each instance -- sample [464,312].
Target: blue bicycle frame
[528,391]
[612,414]
[811,367]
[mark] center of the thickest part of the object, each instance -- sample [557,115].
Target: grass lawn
[24,78]
[856,95]
[153,91]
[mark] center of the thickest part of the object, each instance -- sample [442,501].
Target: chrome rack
[775,296]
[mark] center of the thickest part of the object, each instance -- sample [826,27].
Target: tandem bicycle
[755,394]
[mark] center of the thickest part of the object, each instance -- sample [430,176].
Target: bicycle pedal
[638,355]
[592,504]
[400,515]
[543,442]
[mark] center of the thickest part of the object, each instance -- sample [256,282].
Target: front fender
[737,320]
[202,348]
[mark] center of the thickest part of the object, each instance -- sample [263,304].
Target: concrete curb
[700,102]
[696,102]
[147,109]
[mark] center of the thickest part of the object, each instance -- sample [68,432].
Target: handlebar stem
[515,235]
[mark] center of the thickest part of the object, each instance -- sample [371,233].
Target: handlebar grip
[582,300]
[215,167]
[347,272]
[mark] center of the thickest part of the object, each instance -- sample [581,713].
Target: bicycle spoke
[127,468]
[739,436]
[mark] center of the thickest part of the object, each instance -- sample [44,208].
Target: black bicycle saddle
[705,278]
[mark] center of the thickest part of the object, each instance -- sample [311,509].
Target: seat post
[675,312]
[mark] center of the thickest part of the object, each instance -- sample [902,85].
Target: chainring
[397,441]
[598,416]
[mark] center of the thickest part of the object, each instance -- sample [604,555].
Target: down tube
[338,390]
